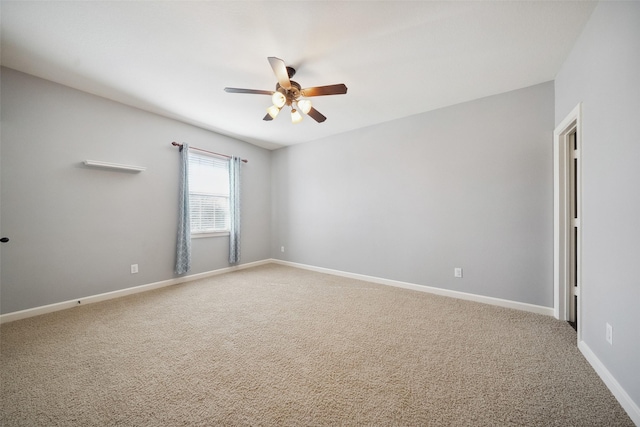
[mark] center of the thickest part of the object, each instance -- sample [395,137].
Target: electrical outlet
[134,268]
[281,248]
[457,272]
[609,334]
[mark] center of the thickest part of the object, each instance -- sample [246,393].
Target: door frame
[562,228]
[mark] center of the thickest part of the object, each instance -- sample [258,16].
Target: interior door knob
[4,240]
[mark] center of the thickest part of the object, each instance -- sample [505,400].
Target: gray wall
[467,186]
[75,231]
[602,72]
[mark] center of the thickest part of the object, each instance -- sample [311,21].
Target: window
[208,194]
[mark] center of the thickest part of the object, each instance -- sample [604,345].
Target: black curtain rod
[176,144]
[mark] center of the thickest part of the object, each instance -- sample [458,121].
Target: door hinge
[575,222]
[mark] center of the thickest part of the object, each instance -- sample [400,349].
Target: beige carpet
[275,345]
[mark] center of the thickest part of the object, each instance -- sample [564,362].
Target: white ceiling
[397,58]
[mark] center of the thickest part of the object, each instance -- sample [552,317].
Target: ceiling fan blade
[252,91]
[338,89]
[280,70]
[316,115]
[267,118]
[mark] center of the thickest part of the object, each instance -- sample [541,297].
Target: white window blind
[208,194]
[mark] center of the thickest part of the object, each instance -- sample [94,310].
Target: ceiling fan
[291,93]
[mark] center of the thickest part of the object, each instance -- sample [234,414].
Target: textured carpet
[274,345]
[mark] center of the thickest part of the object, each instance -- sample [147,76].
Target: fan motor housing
[292,94]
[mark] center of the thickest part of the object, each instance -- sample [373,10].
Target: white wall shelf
[115,166]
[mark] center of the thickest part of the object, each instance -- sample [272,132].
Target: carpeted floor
[274,345]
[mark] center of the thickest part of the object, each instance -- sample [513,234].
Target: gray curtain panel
[234,208]
[183,252]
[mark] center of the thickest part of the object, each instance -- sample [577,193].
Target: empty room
[319,213]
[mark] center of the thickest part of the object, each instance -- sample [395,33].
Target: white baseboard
[36,311]
[614,386]
[548,311]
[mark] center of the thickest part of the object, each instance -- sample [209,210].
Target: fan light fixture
[304,105]
[278,99]
[273,111]
[296,117]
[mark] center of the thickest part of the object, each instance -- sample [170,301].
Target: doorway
[568,219]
